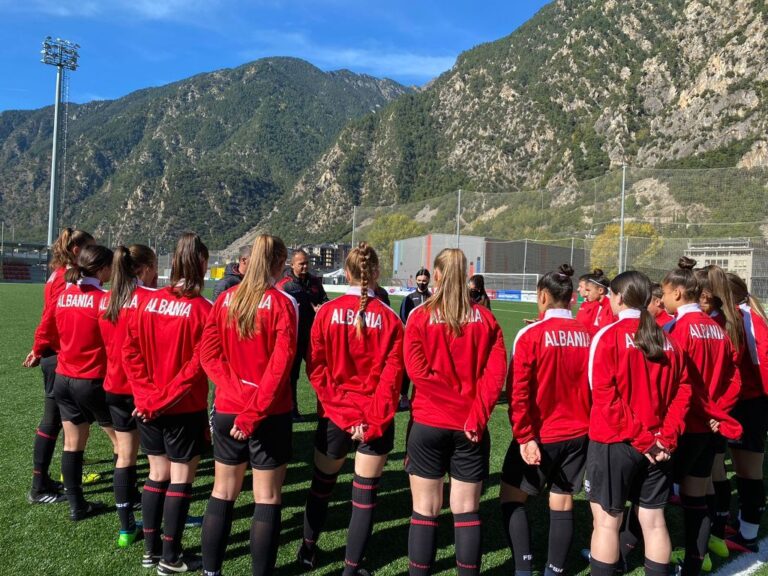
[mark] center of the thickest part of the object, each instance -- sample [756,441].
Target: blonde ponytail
[268,255]
[450,303]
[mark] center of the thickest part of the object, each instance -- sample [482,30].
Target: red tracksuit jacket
[75,326]
[663,318]
[114,336]
[753,367]
[162,354]
[711,363]
[597,315]
[547,383]
[53,287]
[252,376]
[357,380]
[456,379]
[635,400]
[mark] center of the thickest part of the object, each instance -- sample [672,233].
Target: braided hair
[362,265]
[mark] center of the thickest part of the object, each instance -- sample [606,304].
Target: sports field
[41,540]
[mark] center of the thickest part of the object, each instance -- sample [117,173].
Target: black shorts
[694,456]
[336,443]
[719,444]
[432,452]
[617,472]
[753,417]
[121,408]
[269,447]
[82,400]
[48,366]
[180,437]
[561,469]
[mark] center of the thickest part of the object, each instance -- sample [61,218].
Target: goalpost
[510,281]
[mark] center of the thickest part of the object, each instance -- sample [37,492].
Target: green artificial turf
[41,540]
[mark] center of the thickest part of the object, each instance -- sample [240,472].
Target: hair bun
[566,270]
[598,272]
[686,263]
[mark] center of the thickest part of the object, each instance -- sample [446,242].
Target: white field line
[745,564]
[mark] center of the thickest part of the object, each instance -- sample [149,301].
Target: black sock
[45,445]
[361,523]
[217,526]
[631,533]
[467,530]
[72,470]
[722,507]
[656,568]
[560,536]
[598,568]
[123,482]
[316,509]
[152,504]
[697,526]
[751,499]
[422,544]
[175,511]
[265,538]
[518,536]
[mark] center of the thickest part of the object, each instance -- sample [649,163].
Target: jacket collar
[557,313]
[629,313]
[355,291]
[89,282]
[687,309]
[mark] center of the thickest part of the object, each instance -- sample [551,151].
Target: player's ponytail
[63,249]
[362,265]
[719,286]
[636,291]
[91,260]
[558,284]
[190,260]
[742,296]
[126,264]
[450,303]
[685,278]
[267,259]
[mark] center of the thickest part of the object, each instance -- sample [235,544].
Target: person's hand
[529,320]
[358,432]
[139,415]
[31,360]
[316,306]
[472,436]
[531,453]
[237,434]
[714,425]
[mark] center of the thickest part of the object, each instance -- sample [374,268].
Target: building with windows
[747,257]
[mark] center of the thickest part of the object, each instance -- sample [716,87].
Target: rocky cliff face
[582,87]
[212,153]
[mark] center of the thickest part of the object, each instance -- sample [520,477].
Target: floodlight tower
[62,54]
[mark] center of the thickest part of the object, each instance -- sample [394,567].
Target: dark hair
[422,272]
[656,290]
[62,250]
[635,290]
[598,277]
[187,272]
[126,264]
[479,282]
[684,277]
[558,284]
[718,285]
[91,260]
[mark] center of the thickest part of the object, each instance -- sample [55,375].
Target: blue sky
[132,44]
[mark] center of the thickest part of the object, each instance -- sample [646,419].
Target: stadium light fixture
[64,55]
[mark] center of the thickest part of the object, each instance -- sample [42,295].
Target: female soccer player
[248,348]
[64,255]
[710,357]
[455,356]
[81,367]
[356,366]
[656,307]
[595,313]
[170,390]
[640,396]
[549,413]
[751,411]
[132,269]
[477,292]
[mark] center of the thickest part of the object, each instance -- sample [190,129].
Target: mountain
[582,87]
[211,153]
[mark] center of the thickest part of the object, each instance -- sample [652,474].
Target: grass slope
[42,540]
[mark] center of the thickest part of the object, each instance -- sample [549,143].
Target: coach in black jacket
[415,298]
[233,273]
[309,293]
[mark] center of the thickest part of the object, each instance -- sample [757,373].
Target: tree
[383,233]
[641,239]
